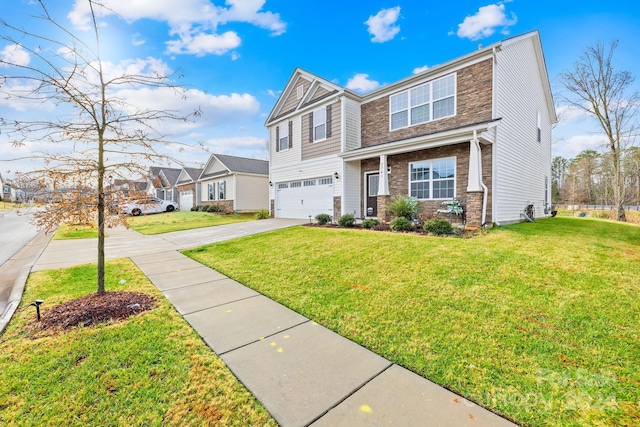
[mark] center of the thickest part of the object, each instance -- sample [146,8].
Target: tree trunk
[100,213]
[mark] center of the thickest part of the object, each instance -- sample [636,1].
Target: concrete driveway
[121,243]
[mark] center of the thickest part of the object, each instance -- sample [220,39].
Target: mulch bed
[96,308]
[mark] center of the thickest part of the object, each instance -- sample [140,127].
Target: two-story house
[476,129]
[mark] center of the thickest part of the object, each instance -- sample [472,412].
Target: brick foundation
[272,212]
[473,209]
[337,208]
[226,206]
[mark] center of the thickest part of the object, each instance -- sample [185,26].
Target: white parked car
[147,206]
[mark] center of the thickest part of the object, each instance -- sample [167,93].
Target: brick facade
[226,206]
[188,187]
[337,206]
[272,207]
[399,179]
[473,105]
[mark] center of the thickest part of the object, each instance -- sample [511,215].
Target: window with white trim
[319,124]
[283,132]
[325,181]
[211,190]
[539,127]
[296,184]
[433,179]
[283,186]
[310,183]
[222,190]
[424,103]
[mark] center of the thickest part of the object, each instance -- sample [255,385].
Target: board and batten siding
[352,124]
[521,162]
[252,193]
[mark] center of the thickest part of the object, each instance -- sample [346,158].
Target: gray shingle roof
[171,174]
[244,165]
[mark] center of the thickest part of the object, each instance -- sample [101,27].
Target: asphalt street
[15,232]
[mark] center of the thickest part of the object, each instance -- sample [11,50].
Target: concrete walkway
[303,373]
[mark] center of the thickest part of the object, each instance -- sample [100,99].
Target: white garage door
[299,199]
[186,200]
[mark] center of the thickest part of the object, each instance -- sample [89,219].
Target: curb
[39,243]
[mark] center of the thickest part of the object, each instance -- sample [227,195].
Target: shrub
[400,224]
[381,227]
[214,209]
[202,208]
[347,220]
[323,218]
[194,208]
[403,206]
[370,223]
[263,214]
[438,226]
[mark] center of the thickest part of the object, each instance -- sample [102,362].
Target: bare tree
[98,129]
[596,88]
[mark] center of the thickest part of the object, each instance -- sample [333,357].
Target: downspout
[484,187]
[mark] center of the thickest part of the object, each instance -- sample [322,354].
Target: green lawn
[187,220]
[536,321]
[74,231]
[149,370]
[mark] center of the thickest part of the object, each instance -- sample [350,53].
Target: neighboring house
[161,182]
[235,183]
[126,188]
[476,129]
[188,188]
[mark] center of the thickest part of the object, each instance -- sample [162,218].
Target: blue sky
[236,56]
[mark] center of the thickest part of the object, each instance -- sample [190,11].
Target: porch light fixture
[336,175]
[270,184]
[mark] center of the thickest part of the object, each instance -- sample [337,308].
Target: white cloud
[273,93]
[14,54]
[136,40]
[484,22]
[567,114]
[19,96]
[201,44]
[195,22]
[571,146]
[382,25]
[362,83]
[235,56]
[420,69]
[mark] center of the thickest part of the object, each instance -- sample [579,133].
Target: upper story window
[284,136]
[429,101]
[539,127]
[320,124]
[433,179]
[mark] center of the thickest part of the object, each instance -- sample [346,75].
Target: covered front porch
[443,166]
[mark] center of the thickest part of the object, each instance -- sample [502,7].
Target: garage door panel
[186,200]
[304,201]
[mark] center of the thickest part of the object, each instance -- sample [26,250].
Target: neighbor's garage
[301,199]
[186,200]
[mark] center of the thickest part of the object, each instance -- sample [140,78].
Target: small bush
[347,220]
[194,208]
[438,226]
[404,206]
[202,208]
[214,209]
[263,214]
[370,223]
[323,218]
[400,224]
[381,227]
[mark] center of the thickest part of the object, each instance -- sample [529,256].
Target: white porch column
[475,167]
[383,178]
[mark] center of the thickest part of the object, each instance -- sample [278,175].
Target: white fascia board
[454,136]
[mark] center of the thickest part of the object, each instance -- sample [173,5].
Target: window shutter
[277,138]
[290,134]
[328,121]
[311,126]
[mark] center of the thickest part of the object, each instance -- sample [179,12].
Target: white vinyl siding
[429,101]
[221,188]
[286,157]
[521,163]
[352,202]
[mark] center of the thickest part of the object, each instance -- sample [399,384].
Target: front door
[371,208]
